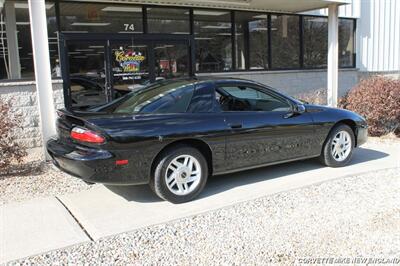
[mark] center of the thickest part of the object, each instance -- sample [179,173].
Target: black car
[174,134]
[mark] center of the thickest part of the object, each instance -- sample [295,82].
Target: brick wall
[22,97]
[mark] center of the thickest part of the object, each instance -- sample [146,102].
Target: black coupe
[174,134]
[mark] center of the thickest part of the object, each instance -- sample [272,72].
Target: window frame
[234,14]
[269,46]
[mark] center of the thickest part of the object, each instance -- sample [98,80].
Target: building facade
[99,50]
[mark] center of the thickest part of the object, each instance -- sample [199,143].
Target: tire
[333,154]
[172,171]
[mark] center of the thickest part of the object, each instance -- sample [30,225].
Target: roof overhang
[284,6]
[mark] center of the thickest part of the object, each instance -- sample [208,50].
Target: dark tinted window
[94,17]
[168,20]
[24,67]
[254,28]
[245,98]
[212,30]
[315,42]
[346,42]
[165,97]
[285,41]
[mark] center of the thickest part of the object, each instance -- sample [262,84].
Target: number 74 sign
[129,27]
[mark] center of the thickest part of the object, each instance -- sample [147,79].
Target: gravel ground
[355,216]
[42,181]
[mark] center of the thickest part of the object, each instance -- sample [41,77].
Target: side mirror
[299,108]
[296,110]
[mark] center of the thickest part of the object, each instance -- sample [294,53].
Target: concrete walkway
[102,211]
[36,226]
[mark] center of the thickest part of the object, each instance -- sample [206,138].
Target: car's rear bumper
[362,135]
[91,165]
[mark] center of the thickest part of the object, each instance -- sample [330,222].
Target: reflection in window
[168,20]
[171,61]
[346,42]
[258,42]
[164,97]
[252,27]
[83,17]
[243,98]
[25,42]
[285,41]
[315,42]
[212,31]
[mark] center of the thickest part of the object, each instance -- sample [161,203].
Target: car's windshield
[163,97]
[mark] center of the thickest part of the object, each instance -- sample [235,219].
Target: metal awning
[284,6]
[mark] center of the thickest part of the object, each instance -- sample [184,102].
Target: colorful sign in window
[128,60]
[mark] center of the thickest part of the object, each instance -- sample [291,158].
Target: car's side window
[246,98]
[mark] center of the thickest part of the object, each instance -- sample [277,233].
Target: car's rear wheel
[180,174]
[338,147]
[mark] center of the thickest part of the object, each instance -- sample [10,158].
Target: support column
[12,41]
[333,56]
[41,60]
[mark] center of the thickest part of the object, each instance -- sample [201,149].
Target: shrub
[313,97]
[378,100]
[10,151]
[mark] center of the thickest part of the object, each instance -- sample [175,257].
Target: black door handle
[235,125]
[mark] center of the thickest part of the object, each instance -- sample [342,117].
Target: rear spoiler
[77,118]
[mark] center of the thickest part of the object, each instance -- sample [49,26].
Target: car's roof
[217,79]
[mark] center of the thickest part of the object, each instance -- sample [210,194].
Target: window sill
[22,82]
[256,72]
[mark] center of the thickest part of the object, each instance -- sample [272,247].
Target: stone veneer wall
[22,97]
[294,82]
[390,74]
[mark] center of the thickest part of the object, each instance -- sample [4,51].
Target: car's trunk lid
[67,120]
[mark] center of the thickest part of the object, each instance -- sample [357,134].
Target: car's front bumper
[91,165]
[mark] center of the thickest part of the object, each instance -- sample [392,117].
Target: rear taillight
[86,135]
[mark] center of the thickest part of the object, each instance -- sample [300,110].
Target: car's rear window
[166,97]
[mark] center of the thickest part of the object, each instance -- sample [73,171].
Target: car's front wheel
[180,174]
[338,147]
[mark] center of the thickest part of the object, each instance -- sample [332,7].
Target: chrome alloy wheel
[183,175]
[341,146]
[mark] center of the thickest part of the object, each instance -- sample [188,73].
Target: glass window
[212,31]
[244,98]
[163,97]
[251,36]
[168,20]
[24,41]
[346,42]
[84,17]
[258,42]
[315,42]
[87,74]
[285,41]
[241,30]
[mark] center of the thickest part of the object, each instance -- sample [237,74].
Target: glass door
[86,81]
[129,66]
[137,63]
[98,68]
